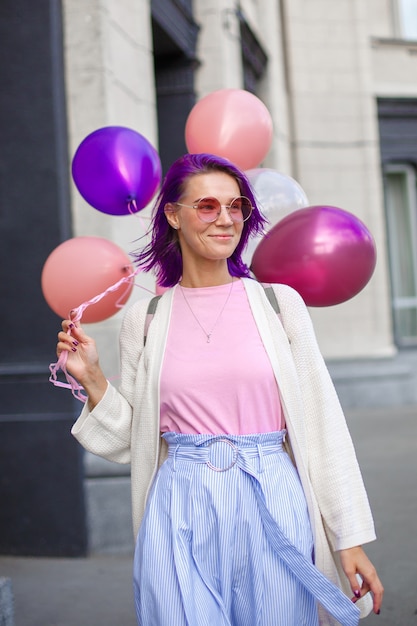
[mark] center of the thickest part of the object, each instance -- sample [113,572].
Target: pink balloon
[231,123]
[325,253]
[116,170]
[80,269]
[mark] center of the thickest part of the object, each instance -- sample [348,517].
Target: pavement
[97,591]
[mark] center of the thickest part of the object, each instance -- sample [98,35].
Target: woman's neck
[206,278]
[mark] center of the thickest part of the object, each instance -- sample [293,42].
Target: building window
[254,58]
[406,19]
[401,208]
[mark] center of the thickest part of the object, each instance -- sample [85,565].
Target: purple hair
[163,253]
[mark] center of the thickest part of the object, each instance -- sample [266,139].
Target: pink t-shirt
[223,386]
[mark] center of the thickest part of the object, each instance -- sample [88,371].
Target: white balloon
[277,195]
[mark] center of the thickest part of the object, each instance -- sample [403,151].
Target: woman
[243,470]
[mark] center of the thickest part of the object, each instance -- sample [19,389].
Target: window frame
[400,303]
[400,31]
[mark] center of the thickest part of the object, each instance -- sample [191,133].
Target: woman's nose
[224,216]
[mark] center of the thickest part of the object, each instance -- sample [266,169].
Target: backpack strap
[153,303]
[270,294]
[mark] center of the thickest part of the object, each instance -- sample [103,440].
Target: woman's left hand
[354,561]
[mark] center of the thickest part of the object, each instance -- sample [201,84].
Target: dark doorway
[41,488]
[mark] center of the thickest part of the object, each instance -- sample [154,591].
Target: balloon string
[76,315]
[76,388]
[133,210]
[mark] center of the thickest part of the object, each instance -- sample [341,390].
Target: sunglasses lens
[239,209]
[208,209]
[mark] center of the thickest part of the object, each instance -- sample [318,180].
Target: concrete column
[110,81]
[218,46]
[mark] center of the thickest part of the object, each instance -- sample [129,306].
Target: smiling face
[203,243]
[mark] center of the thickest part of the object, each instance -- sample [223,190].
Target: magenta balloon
[114,166]
[325,253]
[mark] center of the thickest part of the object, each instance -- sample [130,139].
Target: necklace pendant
[218,316]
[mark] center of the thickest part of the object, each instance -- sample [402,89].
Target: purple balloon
[116,170]
[325,253]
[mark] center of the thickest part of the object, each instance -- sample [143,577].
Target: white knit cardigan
[124,426]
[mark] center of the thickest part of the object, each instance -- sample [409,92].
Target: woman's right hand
[82,360]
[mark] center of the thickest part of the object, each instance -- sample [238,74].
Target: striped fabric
[210,552]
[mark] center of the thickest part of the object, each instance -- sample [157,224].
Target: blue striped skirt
[226,539]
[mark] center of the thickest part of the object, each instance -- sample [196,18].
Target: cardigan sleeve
[331,459]
[106,430]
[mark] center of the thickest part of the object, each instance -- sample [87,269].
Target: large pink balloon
[231,123]
[80,269]
[323,252]
[116,170]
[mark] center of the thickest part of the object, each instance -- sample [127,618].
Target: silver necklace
[207,334]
